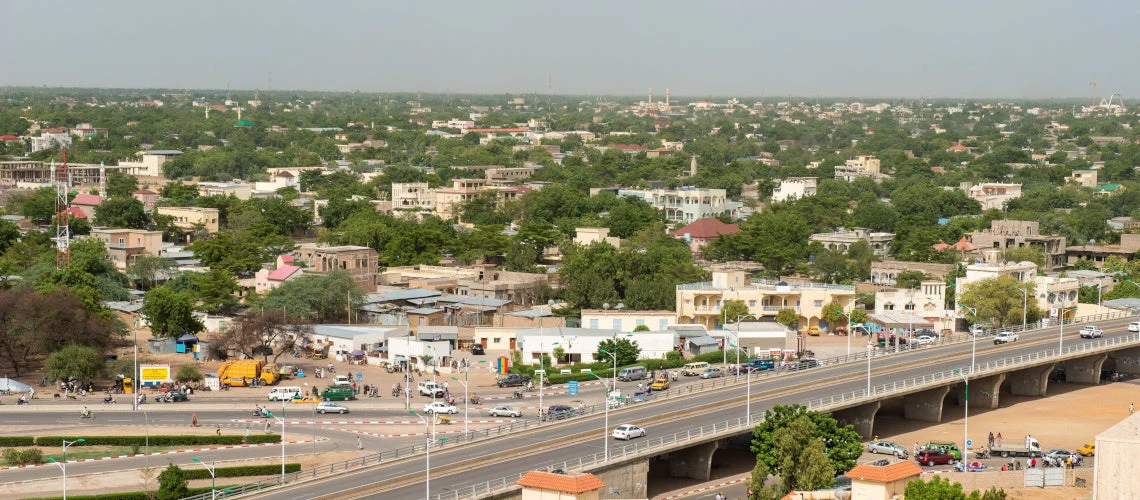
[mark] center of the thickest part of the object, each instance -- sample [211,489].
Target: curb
[410,434]
[702,489]
[171,452]
[374,422]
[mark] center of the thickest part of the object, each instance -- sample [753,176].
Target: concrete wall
[862,417]
[1084,370]
[1030,381]
[627,480]
[926,405]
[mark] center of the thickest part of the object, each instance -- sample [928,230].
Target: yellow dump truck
[243,372]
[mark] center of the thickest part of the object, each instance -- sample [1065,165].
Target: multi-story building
[358,261]
[147,197]
[928,302]
[1083,178]
[240,190]
[885,272]
[587,236]
[860,166]
[992,195]
[688,203]
[1050,292]
[448,200]
[124,245]
[50,138]
[413,196]
[702,231]
[85,130]
[794,188]
[192,218]
[842,240]
[149,163]
[1006,234]
[703,303]
[521,289]
[1129,245]
[504,175]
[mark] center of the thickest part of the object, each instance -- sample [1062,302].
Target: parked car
[660,384]
[430,389]
[559,412]
[712,372]
[813,331]
[888,448]
[925,340]
[331,407]
[1005,338]
[505,411]
[1060,454]
[440,407]
[1134,326]
[951,448]
[931,458]
[628,431]
[477,349]
[1088,450]
[1091,332]
[513,380]
[976,330]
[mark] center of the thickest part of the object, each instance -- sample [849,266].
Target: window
[496,340]
[888,307]
[752,303]
[593,323]
[640,322]
[661,324]
[819,303]
[617,325]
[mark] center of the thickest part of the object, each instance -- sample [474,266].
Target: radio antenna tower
[62,180]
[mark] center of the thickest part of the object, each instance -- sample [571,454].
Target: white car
[1091,332]
[628,431]
[505,411]
[331,407]
[925,340]
[976,330]
[1134,326]
[1005,338]
[440,407]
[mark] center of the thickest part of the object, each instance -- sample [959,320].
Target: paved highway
[886,369]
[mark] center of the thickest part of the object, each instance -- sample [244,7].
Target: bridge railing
[583,409]
[821,404]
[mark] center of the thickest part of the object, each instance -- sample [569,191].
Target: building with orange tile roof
[869,482]
[538,485]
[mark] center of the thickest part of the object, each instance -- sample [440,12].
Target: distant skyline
[974,49]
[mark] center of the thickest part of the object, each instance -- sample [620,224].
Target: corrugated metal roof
[407,294]
[703,341]
[424,310]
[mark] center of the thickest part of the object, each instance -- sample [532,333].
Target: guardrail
[583,410]
[821,404]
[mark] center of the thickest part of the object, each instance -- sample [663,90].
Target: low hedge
[241,471]
[160,440]
[137,495]
[17,441]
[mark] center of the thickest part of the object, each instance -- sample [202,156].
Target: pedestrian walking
[359,443]
[998,439]
[991,440]
[247,432]
[194,420]
[1131,408]
[267,431]
[218,430]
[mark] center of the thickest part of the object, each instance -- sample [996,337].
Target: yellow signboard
[149,374]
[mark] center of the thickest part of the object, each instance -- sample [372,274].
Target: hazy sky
[911,48]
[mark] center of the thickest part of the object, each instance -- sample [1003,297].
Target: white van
[632,373]
[284,393]
[694,369]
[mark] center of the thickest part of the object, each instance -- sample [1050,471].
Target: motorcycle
[476,400]
[86,414]
[518,395]
[21,401]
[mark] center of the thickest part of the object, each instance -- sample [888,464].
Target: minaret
[207,111]
[102,181]
[666,97]
[693,166]
[650,96]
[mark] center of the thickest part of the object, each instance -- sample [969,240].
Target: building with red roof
[88,203]
[267,279]
[701,231]
[539,485]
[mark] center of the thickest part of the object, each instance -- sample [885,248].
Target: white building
[928,302]
[348,338]
[407,348]
[860,166]
[580,344]
[412,196]
[625,321]
[587,236]
[841,241]
[149,163]
[1050,292]
[688,203]
[794,188]
[51,138]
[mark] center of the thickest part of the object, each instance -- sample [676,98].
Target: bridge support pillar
[1030,381]
[1084,370]
[1127,361]
[926,405]
[862,417]
[627,480]
[983,392]
[694,462]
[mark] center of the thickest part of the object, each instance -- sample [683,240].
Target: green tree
[832,313]
[122,212]
[789,318]
[340,209]
[1031,253]
[188,373]
[74,361]
[627,351]
[641,328]
[843,444]
[315,298]
[802,458]
[757,482]
[120,184]
[935,489]
[177,194]
[9,235]
[147,270]
[215,289]
[39,206]
[998,302]
[911,278]
[169,312]
[735,310]
[172,484]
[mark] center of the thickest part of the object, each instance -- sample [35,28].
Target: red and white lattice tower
[62,180]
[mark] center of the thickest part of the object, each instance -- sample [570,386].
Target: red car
[931,458]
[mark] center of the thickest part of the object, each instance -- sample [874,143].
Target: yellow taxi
[307,400]
[813,331]
[660,384]
[1088,450]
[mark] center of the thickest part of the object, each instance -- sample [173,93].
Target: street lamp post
[1024,305]
[429,430]
[210,468]
[282,420]
[135,373]
[606,429]
[966,425]
[870,347]
[466,401]
[146,420]
[63,465]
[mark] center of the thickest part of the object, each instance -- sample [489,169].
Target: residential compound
[445,202]
[842,240]
[358,261]
[688,203]
[192,218]
[124,245]
[794,188]
[703,303]
[992,195]
[860,166]
[1050,292]
[927,302]
[1007,234]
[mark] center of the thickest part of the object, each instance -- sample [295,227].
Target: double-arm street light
[966,426]
[1024,305]
[210,468]
[606,429]
[63,465]
[429,430]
